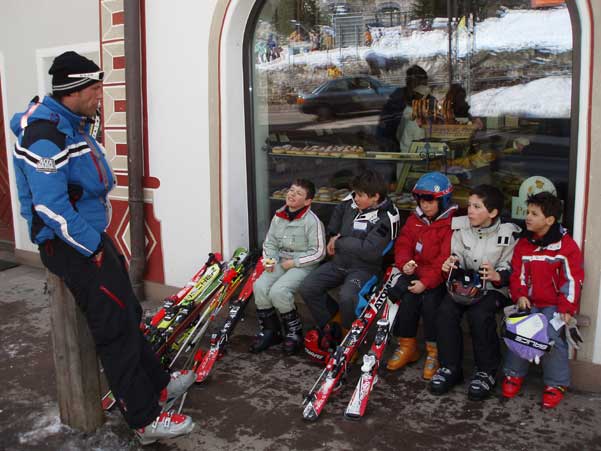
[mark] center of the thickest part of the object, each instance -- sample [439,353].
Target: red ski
[176,298]
[338,362]
[219,339]
[371,363]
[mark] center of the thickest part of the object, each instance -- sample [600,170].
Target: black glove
[398,290]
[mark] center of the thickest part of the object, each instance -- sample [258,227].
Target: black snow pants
[314,291]
[482,322]
[412,306]
[105,296]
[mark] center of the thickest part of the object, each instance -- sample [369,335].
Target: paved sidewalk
[252,402]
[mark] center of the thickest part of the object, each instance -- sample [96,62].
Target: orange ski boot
[407,352]
[431,365]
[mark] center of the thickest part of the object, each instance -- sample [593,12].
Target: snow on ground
[548,97]
[46,424]
[549,30]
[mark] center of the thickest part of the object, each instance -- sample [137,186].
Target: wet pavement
[253,402]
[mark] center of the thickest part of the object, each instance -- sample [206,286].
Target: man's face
[86,101]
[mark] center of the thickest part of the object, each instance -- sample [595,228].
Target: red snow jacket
[549,271]
[427,243]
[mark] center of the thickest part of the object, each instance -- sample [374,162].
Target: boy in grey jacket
[294,246]
[481,251]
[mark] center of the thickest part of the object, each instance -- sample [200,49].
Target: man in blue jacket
[63,181]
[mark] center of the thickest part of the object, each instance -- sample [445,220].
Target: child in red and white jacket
[422,246]
[547,275]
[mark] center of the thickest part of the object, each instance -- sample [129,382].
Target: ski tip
[309,413]
[352,416]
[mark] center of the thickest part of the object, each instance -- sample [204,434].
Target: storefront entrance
[483,95]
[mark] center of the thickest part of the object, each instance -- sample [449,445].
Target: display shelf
[333,202]
[373,156]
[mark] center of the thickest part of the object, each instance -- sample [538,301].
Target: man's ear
[308,202]
[494,212]
[550,220]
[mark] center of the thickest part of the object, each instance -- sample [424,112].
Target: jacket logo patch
[46,165]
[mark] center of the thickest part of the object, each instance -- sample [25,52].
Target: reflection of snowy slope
[516,30]
[543,98]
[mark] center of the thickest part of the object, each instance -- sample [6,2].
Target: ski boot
[481,386]
[294,332]
[552,396]
[511,386]
[320,343]
[166,425]
[444,379]
[431,365]
[270,332]
[179,384]
[406,353]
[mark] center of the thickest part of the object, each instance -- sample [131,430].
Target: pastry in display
[333,151]
[341,194]
[280,194]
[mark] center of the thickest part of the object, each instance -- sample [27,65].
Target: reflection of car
[345,95]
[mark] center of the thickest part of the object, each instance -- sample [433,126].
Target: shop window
[481,93]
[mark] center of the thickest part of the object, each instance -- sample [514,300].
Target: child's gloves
[573,334]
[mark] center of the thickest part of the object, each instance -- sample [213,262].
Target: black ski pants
[105,296]
[314,292]
[412,306]
[482,323]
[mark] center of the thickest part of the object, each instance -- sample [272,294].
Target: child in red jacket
[547,275]
[419,251]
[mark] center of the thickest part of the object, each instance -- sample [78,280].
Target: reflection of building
[202,140]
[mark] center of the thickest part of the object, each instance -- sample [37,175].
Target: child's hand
[488,272]
[449,263]
[565,317]
[417,287]
[524,303]
[287,264]
[409,267]
[330,248]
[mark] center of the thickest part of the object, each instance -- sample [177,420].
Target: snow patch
[46,425]
[549,30]
[548,97]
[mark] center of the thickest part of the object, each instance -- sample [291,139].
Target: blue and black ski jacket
[63,178]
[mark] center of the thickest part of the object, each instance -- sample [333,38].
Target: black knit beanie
[72,72]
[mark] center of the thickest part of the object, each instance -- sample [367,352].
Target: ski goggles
[99,75]
[427,197]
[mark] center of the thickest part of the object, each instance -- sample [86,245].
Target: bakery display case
[321,157]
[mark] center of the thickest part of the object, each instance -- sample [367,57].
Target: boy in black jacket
[361,230]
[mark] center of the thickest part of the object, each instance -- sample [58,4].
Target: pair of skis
[190,342]
[220,338]
[336,367]
[169,326]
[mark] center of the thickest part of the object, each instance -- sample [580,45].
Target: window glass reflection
[481,92]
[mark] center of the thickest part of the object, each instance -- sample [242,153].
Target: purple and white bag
[526,335]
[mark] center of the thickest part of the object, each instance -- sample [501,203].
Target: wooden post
[75,361]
